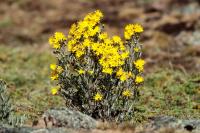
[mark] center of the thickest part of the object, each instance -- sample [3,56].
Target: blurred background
[171,42]
[172,27]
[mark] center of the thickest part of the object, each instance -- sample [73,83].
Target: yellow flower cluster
[110,51]
[83,30]
[127,93]
[139,64]
[131,29]
[123,75]
[56,70]
[98,97]
[56,40]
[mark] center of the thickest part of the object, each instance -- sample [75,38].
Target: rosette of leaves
[8,115]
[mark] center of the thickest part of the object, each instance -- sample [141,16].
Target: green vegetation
[170,92]
[26,70]
[7,112]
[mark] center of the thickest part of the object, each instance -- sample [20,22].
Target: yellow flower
[60,36]
[107,70]
[81,71]
[79,54]
[139,79]
[94,31]
[55,90]
[72,30]
[56,68]
[131,29]
[125,55]
[136,49]
[119,72]
[108,41]
[99,13]
[103,36]
[139,64]
[56,40]
[90,72]
[123,77]
[117,39]
[98,97]
[94,17]
[127,93]
[122,47]
[54,75]
[70,45]
[53,66]
[138,28]
[86,43]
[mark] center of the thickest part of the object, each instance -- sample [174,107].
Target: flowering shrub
[97,74]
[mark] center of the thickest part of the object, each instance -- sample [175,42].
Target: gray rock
[63,117]
[62,120]
[191,124]
[5,129]
[171,122]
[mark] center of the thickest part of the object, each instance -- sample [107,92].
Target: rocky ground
[63,120]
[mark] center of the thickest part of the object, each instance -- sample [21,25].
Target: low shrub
[97,74]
